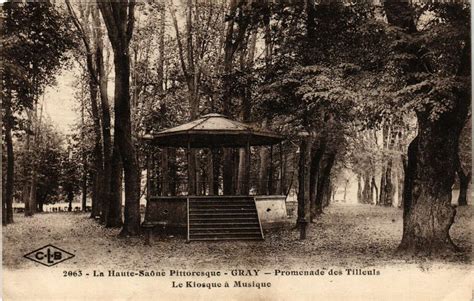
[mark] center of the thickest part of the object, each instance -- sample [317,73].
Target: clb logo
[49,255]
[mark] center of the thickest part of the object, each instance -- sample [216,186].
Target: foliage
[55,169]
[71,171]
[36,37]
[439,82]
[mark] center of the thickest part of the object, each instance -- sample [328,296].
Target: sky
[59,103]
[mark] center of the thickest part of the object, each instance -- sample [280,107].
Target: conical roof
[214,130]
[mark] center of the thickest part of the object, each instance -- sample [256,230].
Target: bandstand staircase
[223,218]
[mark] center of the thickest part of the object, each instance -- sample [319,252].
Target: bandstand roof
[213,130]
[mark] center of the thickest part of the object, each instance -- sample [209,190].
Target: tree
[304,185]
[119,19]
[48,158]
[438,90]
[200,22]
[310,88]
[238,21]
[93,81]
[106,190]
[37,37]
[50,169]
[464,161]
[70,179]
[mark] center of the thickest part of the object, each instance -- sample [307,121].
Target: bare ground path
[346,235]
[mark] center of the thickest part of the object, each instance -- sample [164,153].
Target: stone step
[224,234]
[225,238]
[221,205]
[223,219]
[214,210]
[217,203]
[225,213]
[223,224]
[218,229]
[229,218]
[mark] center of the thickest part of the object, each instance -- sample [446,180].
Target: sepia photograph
[236,150]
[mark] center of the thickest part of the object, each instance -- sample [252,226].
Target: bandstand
[212,212]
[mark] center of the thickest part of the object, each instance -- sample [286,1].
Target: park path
[344,235]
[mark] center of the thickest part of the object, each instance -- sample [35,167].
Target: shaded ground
[355,235]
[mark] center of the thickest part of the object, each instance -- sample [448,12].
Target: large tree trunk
[374,191]
[70,198]
[308,56]
[246,63]
[95,206]
[34,163]
[346,183]
[232,43]
[387,188]
[26,175]
[387,192]
[4,205]
[32,194]
[10,167]
[323,180]
[84,189]
[114,217]
[399,182]
[101,180]
[41,199]
[409,170]
[303,185]
[464,180]
[381,199]
[428,214]
[192,77]
[97,193]
[84,162]
[367,192]
[105,194]
[359,189]
[123,136]
[327,193]
[119,19]
[316,156]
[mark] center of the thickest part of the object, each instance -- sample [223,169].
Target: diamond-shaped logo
[49,255]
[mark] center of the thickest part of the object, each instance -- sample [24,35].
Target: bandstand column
[188,159]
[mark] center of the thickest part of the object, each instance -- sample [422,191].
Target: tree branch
[131,20]
[77,23]
[178,39]
[109,20]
